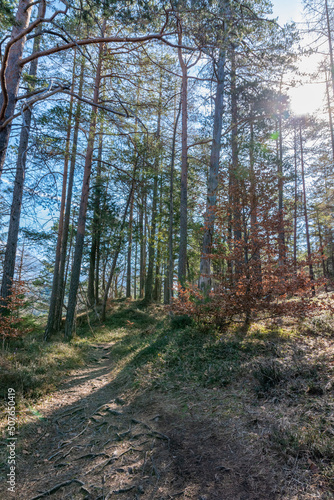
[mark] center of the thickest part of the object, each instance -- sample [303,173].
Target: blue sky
[287,10]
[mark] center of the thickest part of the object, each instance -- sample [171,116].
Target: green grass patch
[33,367]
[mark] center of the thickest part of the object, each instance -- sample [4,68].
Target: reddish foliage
[9,319]
[253,274]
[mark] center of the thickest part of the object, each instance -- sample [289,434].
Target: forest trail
[102,436]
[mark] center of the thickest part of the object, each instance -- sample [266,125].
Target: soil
[92,441]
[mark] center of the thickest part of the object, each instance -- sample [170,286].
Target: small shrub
[269,374]
[181,321]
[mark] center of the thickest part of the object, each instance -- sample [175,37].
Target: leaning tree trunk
[209,217]
[14,222]
[11,79]
[75,276]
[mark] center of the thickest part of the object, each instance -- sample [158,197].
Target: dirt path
[94,442]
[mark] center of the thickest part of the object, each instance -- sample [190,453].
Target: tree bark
[129,256]
[116,254]
[235,184]
[211,204]
[182,264]
[295,207]
[15,215]
[142,251]
[75,276]
[281,235]
[151,247]
[305,208]
[13,72]
[50,328]
[57,296]
[93,272]
[170,268]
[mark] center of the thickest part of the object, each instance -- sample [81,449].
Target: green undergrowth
[34,368]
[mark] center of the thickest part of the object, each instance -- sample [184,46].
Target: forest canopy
[148,150]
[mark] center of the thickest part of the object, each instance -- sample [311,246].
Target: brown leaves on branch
[9,311]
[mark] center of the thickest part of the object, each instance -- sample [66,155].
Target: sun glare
[308,96]
[307,99]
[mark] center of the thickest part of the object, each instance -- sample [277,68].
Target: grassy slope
[276,383]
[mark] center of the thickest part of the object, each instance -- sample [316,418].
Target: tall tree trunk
[129,256]
[211,204]
[116,254]
[330,46]
[295,207]
[281,236]
[157,284]
[15,215]
[235,184]
[58,289]
[182,264]
[142,244]
[136,263]
[13,72]
[50,328]
[330,117]
[305,208]
[91,296]
[256,257]
[75,276]
[151,247]
[170,270]
[321,246]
